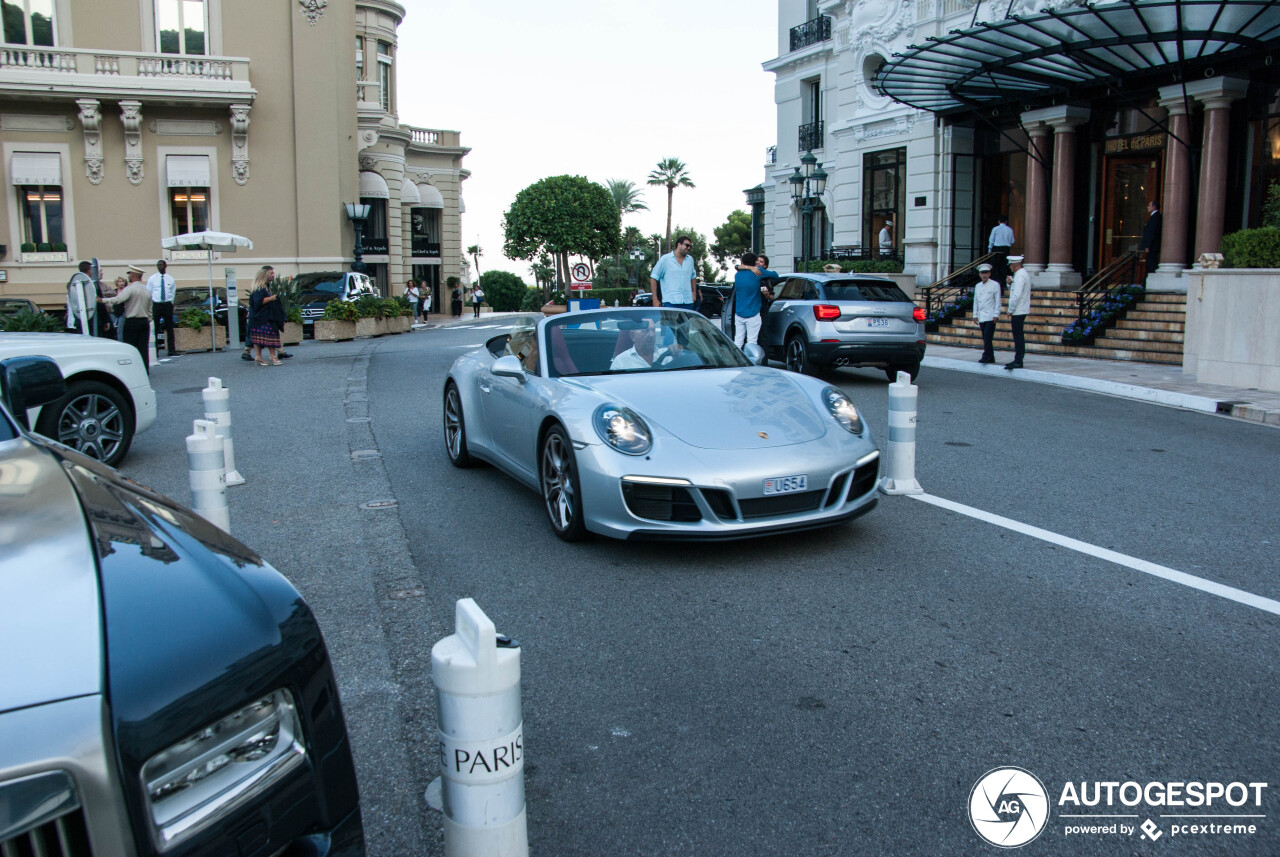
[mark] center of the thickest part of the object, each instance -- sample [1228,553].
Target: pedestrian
[426,292]
[886,239]
[672,280]
[746,302]
[120,285]
[477,298]
[135,326]
[81,301]
[1000,242]
[455,297]
[986,309]
[1151,235]
[767,280]
[163,289]
[415,299]
[266,318]
[1019,309]
[247,354]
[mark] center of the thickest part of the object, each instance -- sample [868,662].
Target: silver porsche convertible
[649,424]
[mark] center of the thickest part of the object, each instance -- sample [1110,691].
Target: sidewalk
[1148,382]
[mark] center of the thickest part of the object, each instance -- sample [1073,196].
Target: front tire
[455,428]
[92,419]
[796,356]
[561,488]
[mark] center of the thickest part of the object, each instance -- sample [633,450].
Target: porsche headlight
[202,777]
[842,410]
[623,429]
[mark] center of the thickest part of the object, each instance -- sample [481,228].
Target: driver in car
[641,354]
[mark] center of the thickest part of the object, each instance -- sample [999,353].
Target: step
[1165,298]
[1093,352]
[1146,315]
[1108,341]
[1138,324]
[1146,335]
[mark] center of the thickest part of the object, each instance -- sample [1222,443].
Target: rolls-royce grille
[64,836]
[40,816]
[782,504]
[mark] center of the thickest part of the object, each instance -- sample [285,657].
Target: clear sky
[602,90]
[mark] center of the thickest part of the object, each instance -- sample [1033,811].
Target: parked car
[108,396]
[165,690]
[13,306]
[315,290]
[696,442]
[823,320]
[712,297]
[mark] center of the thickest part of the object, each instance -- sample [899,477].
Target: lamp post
[807,184]
[637,256]
[358,213]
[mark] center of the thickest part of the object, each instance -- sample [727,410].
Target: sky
[601,90]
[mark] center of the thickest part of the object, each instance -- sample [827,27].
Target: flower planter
[554,309]
[186,339]
[334,330]
[292,333]
[398,324]
[370,327]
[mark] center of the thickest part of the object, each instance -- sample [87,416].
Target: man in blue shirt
[746,302]
[676,273]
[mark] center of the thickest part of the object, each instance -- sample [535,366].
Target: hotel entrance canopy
[1025,60]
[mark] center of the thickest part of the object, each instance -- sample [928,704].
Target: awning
[431,197]
[373,186]
[409,193]
[187,170]
[36,168]
[1061,51]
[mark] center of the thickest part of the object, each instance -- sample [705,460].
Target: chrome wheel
[560,492]
[92,419]
[455,429]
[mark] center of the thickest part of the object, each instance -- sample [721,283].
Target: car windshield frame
[589,344]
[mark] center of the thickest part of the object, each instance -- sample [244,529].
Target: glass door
[1127,185]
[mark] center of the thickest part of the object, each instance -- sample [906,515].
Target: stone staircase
[1151,332]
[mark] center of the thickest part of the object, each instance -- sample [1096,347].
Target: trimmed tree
[503,290]
[562,216]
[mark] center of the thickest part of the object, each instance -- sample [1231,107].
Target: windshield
[638,340]
[853,290]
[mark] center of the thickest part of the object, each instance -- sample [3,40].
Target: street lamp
[358,213]
[637,255]
[807,184]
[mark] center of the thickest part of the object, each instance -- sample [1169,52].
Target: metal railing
[1127,270]
[810,136]
[811,32]
[944,299]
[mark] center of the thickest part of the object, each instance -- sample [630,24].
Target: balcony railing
[369,92]
[811,32]
[97,73]
[432,137]
[811,136]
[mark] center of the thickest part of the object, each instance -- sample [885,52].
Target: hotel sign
[1135,144]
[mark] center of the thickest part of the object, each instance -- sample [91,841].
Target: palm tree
[671,173]
[626,196]
[475,251]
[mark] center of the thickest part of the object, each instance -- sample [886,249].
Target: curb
[1095,385]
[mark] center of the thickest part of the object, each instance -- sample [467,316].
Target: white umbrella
[209,240]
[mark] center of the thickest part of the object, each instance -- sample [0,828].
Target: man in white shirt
[163,290]
[986,309]
[1019,309]
[1000,241]
[677,274]
[81,295]
[886,239]
[642,353]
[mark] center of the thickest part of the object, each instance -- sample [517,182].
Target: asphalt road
[832,692]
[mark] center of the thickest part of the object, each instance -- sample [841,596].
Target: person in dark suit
[1151,236]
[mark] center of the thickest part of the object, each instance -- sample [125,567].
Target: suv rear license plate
[877,322]
[786,484]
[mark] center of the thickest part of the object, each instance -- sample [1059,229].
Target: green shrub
[293,314]
[532,301]
[1252,248]
[26,321]
[44,247]
[59,247]
[608,296]
[340,311]
[389,308]
[559,297]
[194,318]
[27,247]
[369,306]
[861,266]
[503,290]
[404,306]
[1271,208]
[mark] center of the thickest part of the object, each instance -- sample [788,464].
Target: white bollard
[480,730]
[153,356]
[901,445]
[217,410]
[205,472]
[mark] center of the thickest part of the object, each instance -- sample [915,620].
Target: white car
[109,397]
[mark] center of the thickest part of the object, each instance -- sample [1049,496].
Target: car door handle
[485,388]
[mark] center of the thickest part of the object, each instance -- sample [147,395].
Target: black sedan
[164,689]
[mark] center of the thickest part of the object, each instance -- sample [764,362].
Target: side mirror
[755,354]
[29,382]
[509,366]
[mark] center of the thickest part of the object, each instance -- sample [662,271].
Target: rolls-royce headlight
[623,429]
[203,777]
[842,410]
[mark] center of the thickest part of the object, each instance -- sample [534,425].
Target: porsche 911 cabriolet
[643,423]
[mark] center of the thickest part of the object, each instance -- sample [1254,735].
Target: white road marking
[1229,592]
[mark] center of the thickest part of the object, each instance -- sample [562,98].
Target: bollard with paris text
[217,409]
[205,472]
[901,446]
[480,732]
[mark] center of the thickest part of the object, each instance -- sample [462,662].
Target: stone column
[1175,208]
[1063,120]
[1216,94]
[1036,240]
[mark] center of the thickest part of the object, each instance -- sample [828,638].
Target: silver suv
[822,320]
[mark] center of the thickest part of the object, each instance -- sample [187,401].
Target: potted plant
[27,321]
[292,333]
[559,303]
[369,319]
[190,334]
[393,314]
[338,322]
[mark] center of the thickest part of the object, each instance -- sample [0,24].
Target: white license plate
[877,322]
[786,484]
